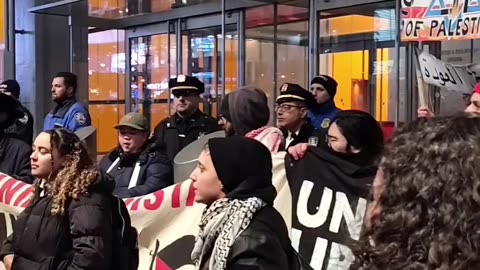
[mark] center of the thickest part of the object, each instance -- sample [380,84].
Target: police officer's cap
[185,82]
[293,92]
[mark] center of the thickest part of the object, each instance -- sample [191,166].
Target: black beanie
[328,83]
[244,166]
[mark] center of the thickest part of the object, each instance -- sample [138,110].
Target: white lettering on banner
[319,253]
[341,257]
[295,238]
[343,209]
[441,74]
[304,217]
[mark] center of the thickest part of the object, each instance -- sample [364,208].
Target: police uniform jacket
[174,133]
[70,114]
[22,128]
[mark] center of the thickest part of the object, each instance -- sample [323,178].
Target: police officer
[323,88]
[188,123]
[292,106]
[68,113]
[22,128]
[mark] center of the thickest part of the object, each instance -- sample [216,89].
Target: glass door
[152,63]
[202,58]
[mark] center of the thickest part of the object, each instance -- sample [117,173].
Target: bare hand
[7,261]
[298,151]
[424,112]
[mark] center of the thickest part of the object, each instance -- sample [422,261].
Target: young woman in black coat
[239,228]
[67,224]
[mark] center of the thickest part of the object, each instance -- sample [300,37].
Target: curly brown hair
[74,178]
[429,214]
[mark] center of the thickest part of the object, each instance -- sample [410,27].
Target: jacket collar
[324,108]
[62,108]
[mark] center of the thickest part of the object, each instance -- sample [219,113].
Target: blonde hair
[72,180]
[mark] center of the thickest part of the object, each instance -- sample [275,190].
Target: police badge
[325,123]
[181,78]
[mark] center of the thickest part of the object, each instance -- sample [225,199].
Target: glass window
[106,69]
[153,63]
[357,50]
[292,48]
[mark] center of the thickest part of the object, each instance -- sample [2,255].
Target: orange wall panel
[104,118]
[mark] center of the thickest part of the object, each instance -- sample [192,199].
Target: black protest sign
[328,207]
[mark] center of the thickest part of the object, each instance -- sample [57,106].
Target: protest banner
[166,220]
[430,20]
[436,72]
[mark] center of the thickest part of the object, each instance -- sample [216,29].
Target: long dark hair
[75,178]
[429,214]
[361,131]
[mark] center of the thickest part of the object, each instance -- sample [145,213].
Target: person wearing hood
[245,112]
[292,107]
[67,224]
[22,128]
[239,228]
[324,89]
[14,153]
[136,164]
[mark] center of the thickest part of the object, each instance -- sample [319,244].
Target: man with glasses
[323,88]
[188,123]
[292,107]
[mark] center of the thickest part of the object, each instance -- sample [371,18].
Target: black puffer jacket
[15,158]
[155,171]
[79,239]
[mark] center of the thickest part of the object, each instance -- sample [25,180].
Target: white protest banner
[166,220]
[441,74]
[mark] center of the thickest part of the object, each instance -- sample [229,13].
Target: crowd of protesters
[422,185]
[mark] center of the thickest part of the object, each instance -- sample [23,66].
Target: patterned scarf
[220,226]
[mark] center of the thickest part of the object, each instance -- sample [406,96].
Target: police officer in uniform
[324,89]
[292,107]
[68,113]
[22,128]
[188,123]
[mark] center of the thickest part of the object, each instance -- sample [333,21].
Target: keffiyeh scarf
[220,226]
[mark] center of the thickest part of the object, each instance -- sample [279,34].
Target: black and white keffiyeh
[220,225]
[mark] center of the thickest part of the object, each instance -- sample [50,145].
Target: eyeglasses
[286,107]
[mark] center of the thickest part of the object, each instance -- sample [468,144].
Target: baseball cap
[133,120]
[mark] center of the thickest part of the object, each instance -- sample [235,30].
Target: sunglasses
[184,93]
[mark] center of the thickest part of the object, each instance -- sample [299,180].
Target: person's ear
[70,91]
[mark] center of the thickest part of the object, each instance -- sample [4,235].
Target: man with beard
[135,164]
[68,113]
[188,123]
[14,153]
[22,128]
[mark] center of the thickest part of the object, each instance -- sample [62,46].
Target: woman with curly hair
[426,199]
[67,224]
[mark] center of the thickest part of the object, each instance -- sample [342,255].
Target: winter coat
[323,115]
[173,133]
[15,158]
[306,133]
[79,239]
[155,171]
[22,128]
[70,114]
